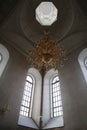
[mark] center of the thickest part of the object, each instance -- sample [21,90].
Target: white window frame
[5,57]
[81,58]
[48,121]
[51,93]
[34,119]
[31,98]
[85,62]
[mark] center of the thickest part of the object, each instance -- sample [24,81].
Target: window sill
[28,122]
[54,123]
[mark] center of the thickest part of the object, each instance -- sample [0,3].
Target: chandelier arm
[47,52]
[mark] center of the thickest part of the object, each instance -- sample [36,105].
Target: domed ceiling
[5,8]
[33,30]
[21,29]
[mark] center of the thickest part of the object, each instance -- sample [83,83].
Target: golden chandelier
[46,53]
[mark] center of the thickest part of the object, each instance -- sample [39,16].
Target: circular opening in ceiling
[46,13]
[45,8]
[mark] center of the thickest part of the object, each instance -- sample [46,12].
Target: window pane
[56,98]
[55,79]
[85,62]
[1,57]
[26,101]
[29,79]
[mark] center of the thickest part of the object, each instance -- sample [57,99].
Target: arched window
[85,62]
[30,106]
[4,57]
[1,57]
[30,110]
[27,100]
[52,108]
[82,59]
[57,109]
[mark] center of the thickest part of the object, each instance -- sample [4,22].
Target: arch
[56,100]
[46,98]
[32,120]
[81,59]
[49,121]
[85,62]
[4,57]
[37,95]
[26,104]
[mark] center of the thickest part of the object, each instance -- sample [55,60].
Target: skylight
[46,13]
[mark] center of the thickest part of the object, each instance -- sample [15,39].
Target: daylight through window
[1,57]
[27,97]
[56,98]
[85,62]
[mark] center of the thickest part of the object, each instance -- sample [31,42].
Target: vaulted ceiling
[19,28]
[6,6]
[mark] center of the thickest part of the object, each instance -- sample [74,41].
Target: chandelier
[46,53]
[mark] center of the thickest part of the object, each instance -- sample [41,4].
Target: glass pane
[56,95]
[1,57]
[60,109]
[26,114]
[59,97]
[54,114]
[60,113]
[55,79]
[29,79]
[25,105]
[21,112]
[85,62]
[27,83]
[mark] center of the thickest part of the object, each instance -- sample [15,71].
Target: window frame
[85,60]
[81,60]
[33,120]
[1,57]
[48,120]
[57,101]
[31,97]
[4,58]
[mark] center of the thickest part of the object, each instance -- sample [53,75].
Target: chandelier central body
[46,53]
